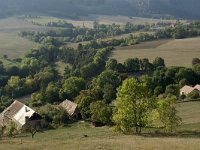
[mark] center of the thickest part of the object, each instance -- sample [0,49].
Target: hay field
[179,52]
[102,19]
[108,19]
[189,112]
[11,44]
[45,19]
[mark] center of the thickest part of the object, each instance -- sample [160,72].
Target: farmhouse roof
[69,106]
[197,87]
[187,89]
[17,112]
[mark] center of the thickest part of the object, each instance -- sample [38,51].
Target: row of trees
[78,34]
[133,108]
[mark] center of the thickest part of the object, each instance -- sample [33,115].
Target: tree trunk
[136,129]
[33,134]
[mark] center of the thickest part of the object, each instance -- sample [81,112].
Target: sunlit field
[175,52]
[84,136]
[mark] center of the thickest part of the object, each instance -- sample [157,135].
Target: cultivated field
[83,136]
[178,52]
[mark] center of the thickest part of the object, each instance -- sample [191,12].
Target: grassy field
[106,19]
[178,52]
[83,136]
[8,62]
[13,45]
[46,19]
[189,112]
[102,19]
[10,43]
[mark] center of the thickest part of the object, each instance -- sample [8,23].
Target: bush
[193,95]
[101,113]
[182,96]
[55,115]
[11,130]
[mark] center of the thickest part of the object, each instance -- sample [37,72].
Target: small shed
[71,108]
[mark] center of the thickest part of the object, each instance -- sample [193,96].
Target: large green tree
[71,87]
[168,113]
[131,106]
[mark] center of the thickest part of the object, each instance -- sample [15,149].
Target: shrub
[193,95]
[101,113]
[55,115]
[11,130]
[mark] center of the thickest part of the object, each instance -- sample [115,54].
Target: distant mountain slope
[178,8]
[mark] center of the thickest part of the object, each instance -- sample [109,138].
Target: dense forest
[74,8]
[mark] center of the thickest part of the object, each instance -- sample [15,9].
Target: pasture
[11,44]
[46,19]
[84,136]
[179,52]
[102,19]
[107,19]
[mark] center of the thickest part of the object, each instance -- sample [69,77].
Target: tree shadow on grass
[179,134]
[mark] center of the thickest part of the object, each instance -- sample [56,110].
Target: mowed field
[84,136]
[102,19]
[189,112]
[46,19]
[11,44]
[107,19]
[179,52]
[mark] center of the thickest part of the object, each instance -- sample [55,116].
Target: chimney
[26,109]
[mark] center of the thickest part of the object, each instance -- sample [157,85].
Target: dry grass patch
[108,19]
[97,138]
[13,45]
[10,43]
[46,19]
[175,52]
[189,112]
[83,136]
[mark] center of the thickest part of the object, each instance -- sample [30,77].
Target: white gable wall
[21,115]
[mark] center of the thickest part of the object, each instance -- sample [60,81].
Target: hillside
[179,52]
[74,8]
[72,137]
